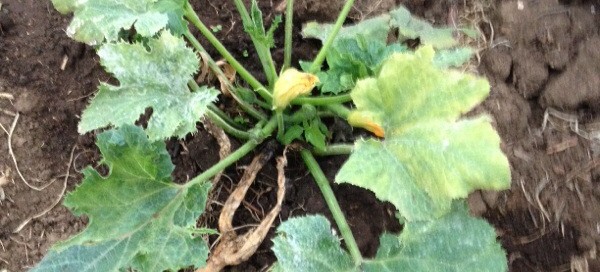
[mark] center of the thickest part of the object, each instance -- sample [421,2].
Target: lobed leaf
[352,59]
[357,52]
[456,242]
[307,244]
[152,75]
[411,27]
[138,218]
[374,29]
[96,21]
[428,158]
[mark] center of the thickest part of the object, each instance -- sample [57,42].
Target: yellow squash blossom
[356,119]
[291,84]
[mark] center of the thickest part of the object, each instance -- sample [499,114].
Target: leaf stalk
[236,155]
[264,53]
[333,205]
[216,69]
[193,18]
[316,65]
[289,23]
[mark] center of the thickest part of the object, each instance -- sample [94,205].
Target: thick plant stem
[316,65]
[339,110]
[216,69]
[333,205]
[192,17]
[334,149]
[236,155]
[264,53]
[280,125]
[217,120]
[289,23]
[322,100]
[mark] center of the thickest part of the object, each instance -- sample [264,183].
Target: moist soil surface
[541,57]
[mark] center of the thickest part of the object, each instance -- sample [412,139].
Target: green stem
[289,23]
[264,53]
[235,156]
[216,69]
[334,149]
[322,100]
[191,15]
[194,86]
[217,120]
[316,65]
[339,110]
[224,116]
[280,126]
[333,205]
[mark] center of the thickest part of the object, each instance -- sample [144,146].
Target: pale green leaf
[456,242]
[374,29]
[306,244]
[454,57]
[411,27]
[428,158]
[138,218]
[155,78]
[96,21]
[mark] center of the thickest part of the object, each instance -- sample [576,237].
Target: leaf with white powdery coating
[307,244]
[456,242]
[154,79]
[96,21]
[428,158]
[138,218]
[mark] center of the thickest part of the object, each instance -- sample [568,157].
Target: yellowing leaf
[290,85]
[428,157]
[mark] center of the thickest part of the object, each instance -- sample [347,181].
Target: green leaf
[314,134]
[96,21]
[256,29]
[357,52]
[351,59]
[155,78]
[292,133]
[428,158]
[138,218]
[411,27]
[456,242]
[306,244]
[374,29]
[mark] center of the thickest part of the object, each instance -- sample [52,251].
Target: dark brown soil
[537,55]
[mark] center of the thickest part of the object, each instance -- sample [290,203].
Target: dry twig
[233,249]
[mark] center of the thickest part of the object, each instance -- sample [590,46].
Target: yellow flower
[356,119]
[290,84]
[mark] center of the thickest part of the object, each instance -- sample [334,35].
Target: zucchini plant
[424,156]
